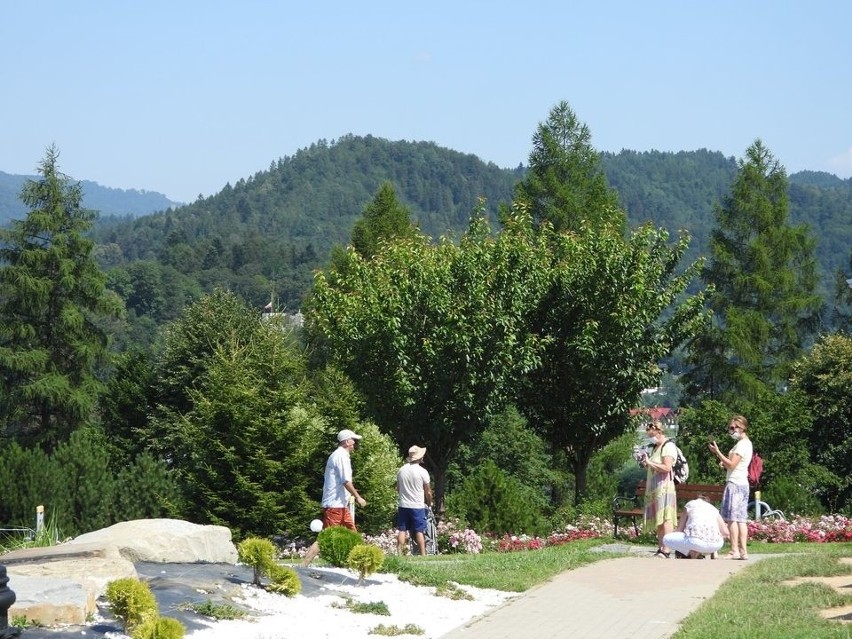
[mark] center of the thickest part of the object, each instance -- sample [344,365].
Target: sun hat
[415,453]
[346,434]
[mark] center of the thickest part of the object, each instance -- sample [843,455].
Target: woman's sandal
[660,553]
[733,555]
[743,557]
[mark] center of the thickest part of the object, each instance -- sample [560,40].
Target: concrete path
[639,597]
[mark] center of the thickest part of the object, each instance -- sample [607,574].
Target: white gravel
[320,615]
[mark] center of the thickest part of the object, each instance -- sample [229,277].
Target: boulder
[60,584]
[165,541]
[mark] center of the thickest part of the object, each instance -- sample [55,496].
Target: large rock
[61,584]
[165,541]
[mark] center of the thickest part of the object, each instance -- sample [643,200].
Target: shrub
[259,554]
[131,601]
[492,501]
[365,560]
[284,581]
[159,628]
[335,544]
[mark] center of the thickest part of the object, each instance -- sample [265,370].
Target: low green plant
[259,554]
[452,591]
[368,607]
[21,621]
[365,559]
[159,628]
[284,581]
[335,544]
[131,601]
[216,611]
[394,631]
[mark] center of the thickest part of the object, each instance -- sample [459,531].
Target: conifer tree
[566,184]
[384,218]
[763,271]
[52,295]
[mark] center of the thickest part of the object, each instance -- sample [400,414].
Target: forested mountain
[109,201]
[265,235]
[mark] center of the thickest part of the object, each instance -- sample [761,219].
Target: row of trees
[560,314]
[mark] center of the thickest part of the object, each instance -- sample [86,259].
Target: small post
[757,514]
[39,519]
[7,598]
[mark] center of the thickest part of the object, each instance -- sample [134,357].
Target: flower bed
[828,528]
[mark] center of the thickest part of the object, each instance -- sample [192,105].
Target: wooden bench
[633,507]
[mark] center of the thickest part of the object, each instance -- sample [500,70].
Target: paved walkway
[639,597]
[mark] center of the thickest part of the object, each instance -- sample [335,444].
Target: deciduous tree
[615,307]
[435,336]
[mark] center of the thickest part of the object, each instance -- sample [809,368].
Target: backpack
[680,468]
[755,470]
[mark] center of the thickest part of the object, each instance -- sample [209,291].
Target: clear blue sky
[182,97]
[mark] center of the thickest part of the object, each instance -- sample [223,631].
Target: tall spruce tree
[52,295]
[566,185]
[764,274]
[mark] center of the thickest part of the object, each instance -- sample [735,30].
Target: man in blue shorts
[415,494]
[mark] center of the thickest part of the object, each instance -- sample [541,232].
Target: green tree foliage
[53,295]
[615,307]
[77,488]
[269,232]
[384,219]
[243,425]
[517,450]
[566,184]
[434,335]
[126,404]
[220,319]
[779,427]
[242,448]
[824,378]
[491,501]
[764,274]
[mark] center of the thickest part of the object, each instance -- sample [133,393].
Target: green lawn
[754,603]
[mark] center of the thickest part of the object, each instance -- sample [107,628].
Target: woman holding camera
[660,495]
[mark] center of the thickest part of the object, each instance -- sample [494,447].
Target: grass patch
[367,607]
[510,572]
[213,610]
[755,603]
[452,591]
[394,631]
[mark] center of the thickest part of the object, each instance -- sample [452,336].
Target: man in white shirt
[415,494]
[336,488]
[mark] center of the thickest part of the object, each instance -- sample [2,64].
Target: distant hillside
[109,201]
[265,235]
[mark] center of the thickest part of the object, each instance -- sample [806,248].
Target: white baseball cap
[347,434]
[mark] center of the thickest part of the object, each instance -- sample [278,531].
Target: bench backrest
[686,492]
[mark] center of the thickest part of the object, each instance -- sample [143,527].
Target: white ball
[316,525]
